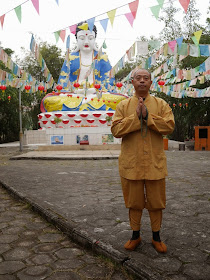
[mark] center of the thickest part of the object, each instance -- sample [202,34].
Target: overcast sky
[54,17]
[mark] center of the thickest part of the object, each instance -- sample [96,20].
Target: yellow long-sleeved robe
[142,157]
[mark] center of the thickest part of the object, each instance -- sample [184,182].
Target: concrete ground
[84,199]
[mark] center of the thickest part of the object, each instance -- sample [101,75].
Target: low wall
[70,137]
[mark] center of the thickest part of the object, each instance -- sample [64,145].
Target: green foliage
[186,117]
[122,73]
[52,57]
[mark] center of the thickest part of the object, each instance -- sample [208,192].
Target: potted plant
[109,120]
[57,121]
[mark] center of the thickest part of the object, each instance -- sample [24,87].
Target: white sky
[52,17]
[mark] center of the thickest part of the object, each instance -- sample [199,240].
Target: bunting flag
[36,5]
[133,7]
[18,13]
[195,40]
[57,1]
[62,35]
[161,2]
[155,10]
[2,20]
[91,23]
[142,48]
[73,28]
[198,35]
[104,46]
[130,18]
[104,23]
[84,26]
[57,35]
[172,45]
[68,42]
[111,15]
[185,4]
[32,44]
[179,41]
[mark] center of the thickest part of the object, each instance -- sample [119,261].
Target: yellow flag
[84,26]
[111,15]
[198,35]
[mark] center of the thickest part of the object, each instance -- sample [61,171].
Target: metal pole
[20,116]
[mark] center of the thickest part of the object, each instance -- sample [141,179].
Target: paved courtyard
[84,199]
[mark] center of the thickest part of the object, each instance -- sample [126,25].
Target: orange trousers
[140,194]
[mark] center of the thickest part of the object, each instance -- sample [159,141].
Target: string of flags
[133,6]
[34,47]
[13,79]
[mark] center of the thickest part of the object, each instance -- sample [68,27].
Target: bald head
[140,71]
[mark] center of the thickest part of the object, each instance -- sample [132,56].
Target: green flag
[104,45]
[18,13]
[155,10]
[57,35]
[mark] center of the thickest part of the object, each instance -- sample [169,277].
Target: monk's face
[142,81]
[86,40]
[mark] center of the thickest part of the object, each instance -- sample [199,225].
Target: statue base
[70,136]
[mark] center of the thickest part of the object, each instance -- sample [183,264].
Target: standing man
[141,121]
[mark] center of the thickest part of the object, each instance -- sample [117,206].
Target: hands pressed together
[141,108]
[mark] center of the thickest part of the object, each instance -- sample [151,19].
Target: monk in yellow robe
[141,121]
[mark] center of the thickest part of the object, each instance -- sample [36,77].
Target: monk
[141,121]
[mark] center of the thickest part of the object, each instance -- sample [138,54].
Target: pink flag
[133,7]
[2,20]
[63,35]
[73,29]
[185,4]
[172,45]
[130,18]
[36,5]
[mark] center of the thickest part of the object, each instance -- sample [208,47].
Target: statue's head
[85,38]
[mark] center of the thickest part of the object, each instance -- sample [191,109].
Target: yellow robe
[142,157]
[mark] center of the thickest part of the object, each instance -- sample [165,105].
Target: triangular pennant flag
[73,28]
[133,7]
[68,42]
[18,12]
[185,4]
[91,23]
[195,40]
[63,35]
[111,15]
[57,35]
[57,1]
[198,35]
[2,20]
[32,44]
[104,23]
[84,26]
[155,10]
[104,45]
[172,45]
[130,18]
[179,41]
[36,5]
[161,2]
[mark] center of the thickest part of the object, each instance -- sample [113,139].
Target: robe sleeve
[122,125]
[163,123]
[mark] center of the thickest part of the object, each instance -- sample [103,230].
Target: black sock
[156,236]
[136,234]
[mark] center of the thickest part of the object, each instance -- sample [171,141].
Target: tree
[190,21]
[52,57]
[172,29]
